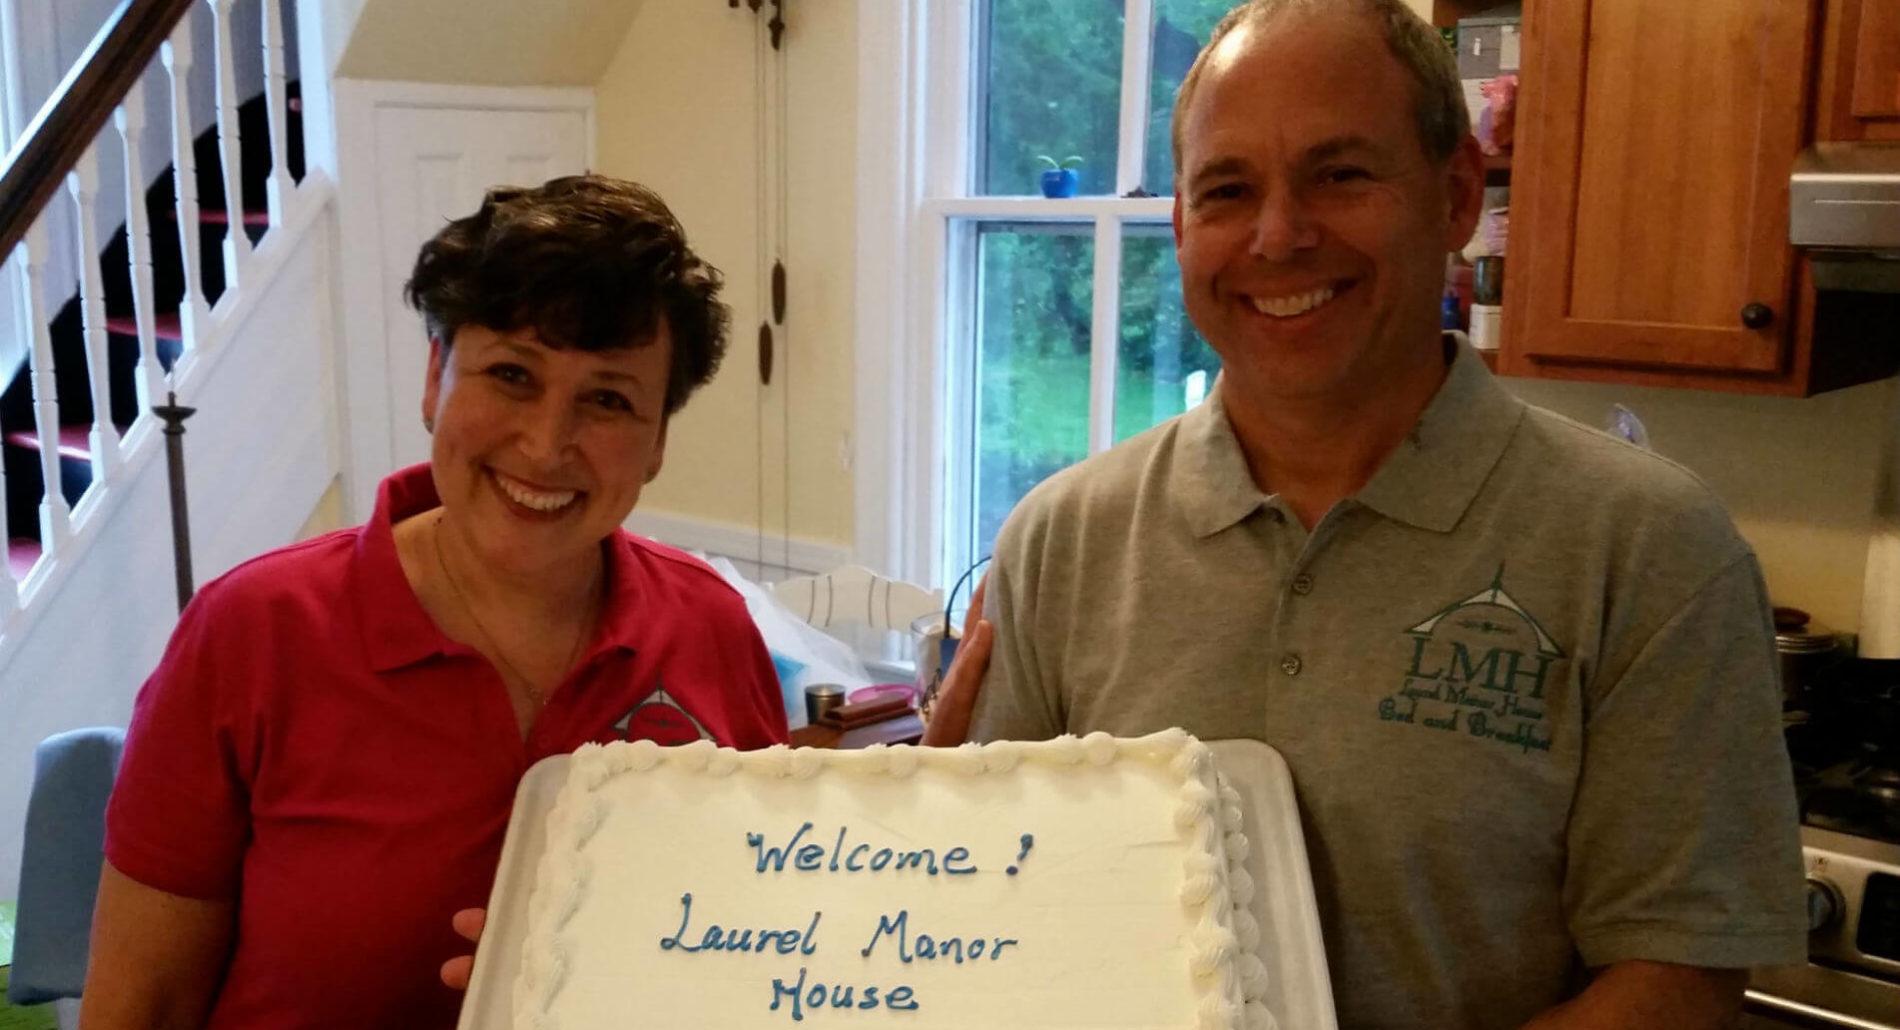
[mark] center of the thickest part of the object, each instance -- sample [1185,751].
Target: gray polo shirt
[1524,680]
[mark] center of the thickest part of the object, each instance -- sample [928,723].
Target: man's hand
[956,699]
[468,922]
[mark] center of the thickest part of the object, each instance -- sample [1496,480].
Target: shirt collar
[398,632]
[1428,481]
[619,625]
[1212,483]
[1436,472]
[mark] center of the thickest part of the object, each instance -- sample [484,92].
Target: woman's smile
[536,499]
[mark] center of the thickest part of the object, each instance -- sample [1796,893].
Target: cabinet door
[1876,95]
[1655,141]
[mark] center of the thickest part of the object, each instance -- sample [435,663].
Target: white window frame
[915,254]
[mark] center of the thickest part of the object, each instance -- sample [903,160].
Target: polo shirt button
[1302,584]
[1290,664]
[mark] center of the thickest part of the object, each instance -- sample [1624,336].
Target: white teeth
[1287,307]
[534,499]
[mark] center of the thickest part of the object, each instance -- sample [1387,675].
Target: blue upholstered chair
[62,852]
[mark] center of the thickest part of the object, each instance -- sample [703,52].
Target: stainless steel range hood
[1844,209]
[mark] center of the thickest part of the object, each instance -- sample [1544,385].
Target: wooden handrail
[68,123]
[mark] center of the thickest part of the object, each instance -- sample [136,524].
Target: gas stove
[1846,753]
[1859,797]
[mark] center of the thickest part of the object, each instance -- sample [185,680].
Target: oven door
[1819,998]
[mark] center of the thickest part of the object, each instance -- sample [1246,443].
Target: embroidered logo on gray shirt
[1479,666]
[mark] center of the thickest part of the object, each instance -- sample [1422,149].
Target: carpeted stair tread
[74,441]
[22,552]
[164,326]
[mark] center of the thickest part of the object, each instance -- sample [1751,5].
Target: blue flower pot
[1059,182]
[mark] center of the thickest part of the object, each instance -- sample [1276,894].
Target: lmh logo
[1481,666]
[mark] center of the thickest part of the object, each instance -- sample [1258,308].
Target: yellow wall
[1800,476]
[676,110]
[338,19]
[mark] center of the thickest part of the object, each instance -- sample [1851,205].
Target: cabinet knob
[1758,316]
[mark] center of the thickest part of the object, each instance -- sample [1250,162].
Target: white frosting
[1126,906]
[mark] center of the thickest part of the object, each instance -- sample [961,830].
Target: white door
[434,164]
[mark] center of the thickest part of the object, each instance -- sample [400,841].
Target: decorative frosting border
[1216,889]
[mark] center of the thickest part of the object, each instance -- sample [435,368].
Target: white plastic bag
[804,656]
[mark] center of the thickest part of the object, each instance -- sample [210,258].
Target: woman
[320,771]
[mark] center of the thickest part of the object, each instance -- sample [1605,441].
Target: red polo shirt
[314,747]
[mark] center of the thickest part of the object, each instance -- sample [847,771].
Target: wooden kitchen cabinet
[1859,93]
[1649,207]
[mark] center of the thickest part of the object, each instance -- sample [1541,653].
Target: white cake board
[1300,994]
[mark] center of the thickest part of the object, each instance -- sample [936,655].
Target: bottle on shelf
[1487,302]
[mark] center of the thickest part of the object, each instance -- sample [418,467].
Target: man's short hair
[1438,103]
[587,262]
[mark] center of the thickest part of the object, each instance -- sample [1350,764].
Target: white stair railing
[277,110]
[237,244]
[110,447]
[175,55]
[9,585]
[55,516]
[103,440]
[130,121]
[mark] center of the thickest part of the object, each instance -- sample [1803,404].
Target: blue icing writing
[748,939]
[810,857]
[798,997]
[924,946]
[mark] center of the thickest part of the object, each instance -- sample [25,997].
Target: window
[1036,331]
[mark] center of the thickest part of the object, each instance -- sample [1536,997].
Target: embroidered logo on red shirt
[660,719]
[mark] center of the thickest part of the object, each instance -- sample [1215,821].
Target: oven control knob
[1824,904]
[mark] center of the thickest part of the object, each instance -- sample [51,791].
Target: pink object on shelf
[1497,125]
[881,691]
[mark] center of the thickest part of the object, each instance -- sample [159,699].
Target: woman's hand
[950,715]
[468,922]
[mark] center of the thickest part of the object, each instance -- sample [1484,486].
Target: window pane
[1034,290]
[1050,81]
[1162,365]
[1181,29]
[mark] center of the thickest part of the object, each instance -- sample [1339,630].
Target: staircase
[236,314]
[20,440]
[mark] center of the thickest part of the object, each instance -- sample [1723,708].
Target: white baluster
[55,515]
[12,66]
[175,54]
[9,589]
[83,184]
[237,244]
[277,108]
[12,94]
[130,118]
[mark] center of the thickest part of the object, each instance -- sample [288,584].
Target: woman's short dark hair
[587,262]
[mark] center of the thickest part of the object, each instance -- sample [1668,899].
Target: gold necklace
[494,645]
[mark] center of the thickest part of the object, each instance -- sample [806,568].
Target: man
[1521,672]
